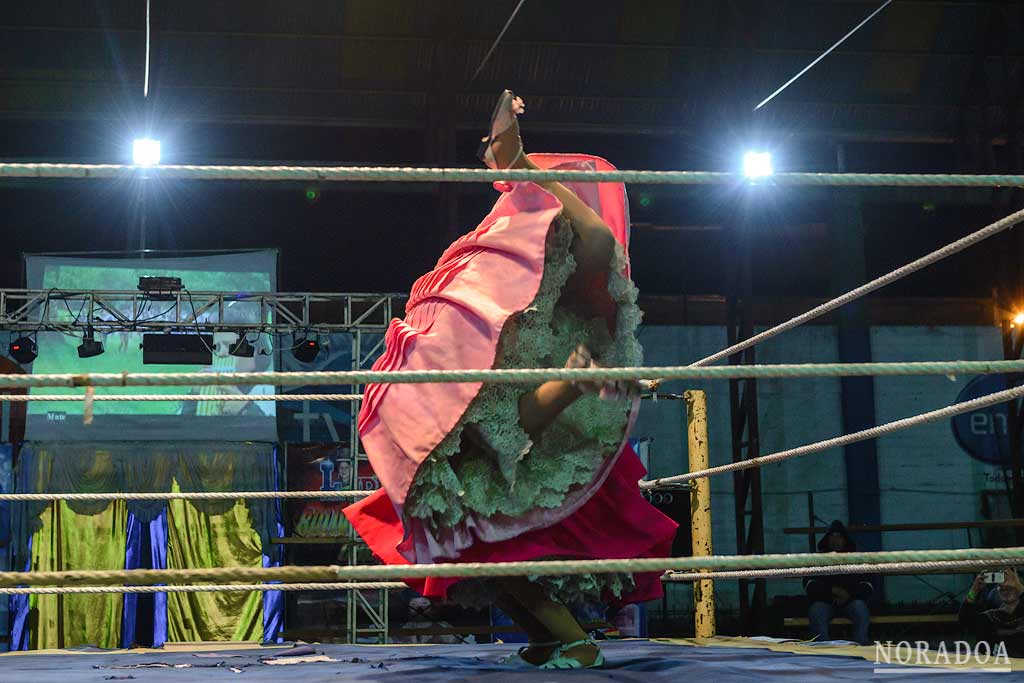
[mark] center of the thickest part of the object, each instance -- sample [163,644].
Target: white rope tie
[90,396]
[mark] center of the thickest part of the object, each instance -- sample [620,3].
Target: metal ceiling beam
[427,40]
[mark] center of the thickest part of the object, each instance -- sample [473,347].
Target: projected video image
[182,420]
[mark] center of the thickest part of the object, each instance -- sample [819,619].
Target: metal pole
[700,509]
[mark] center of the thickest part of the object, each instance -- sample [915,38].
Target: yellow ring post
[700,509]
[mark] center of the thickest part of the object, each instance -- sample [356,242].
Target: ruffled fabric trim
[488,462]
[487,480]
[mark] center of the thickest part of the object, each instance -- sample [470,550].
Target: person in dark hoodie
[1003,623]
[838,594]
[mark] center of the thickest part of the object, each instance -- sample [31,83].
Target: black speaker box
[177,349]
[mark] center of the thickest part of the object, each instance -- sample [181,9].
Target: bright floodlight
[1018,319]
[757,164]
[146,152]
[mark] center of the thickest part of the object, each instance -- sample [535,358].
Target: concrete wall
[924,474]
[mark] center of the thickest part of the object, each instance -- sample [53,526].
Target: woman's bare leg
[538,651]
[554,616]
[594,245]
[593,249]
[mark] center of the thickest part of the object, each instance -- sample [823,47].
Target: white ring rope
[484,175]
[187,495]
[836,442]
[255,398]
[406,572]
[952,567]
[817,447]
[28,398]
[957,566]
[207,588]
[512,375]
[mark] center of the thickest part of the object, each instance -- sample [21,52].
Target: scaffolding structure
[371,604]
[31,310]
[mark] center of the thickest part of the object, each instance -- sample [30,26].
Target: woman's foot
[503,148]
[536,654]
[582,654]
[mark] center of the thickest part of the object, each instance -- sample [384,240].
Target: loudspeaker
[177,349]
[676,506]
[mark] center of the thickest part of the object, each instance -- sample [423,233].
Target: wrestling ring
[775,661]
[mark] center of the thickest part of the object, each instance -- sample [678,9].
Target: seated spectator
[1001,624]
[838,594]
[423,616]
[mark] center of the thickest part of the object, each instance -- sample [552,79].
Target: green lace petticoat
[488,461]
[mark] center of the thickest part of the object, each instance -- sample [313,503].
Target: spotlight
[1018,319]
[306,350]
[242,348]
[24,350]
[89,346]
[757,164]
[146,152]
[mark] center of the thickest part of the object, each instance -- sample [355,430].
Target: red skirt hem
[616,523]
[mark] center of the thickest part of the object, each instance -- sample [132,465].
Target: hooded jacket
[819,588]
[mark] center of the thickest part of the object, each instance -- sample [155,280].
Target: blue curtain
[19,608]
[136,558]
[6,486]
[273,555]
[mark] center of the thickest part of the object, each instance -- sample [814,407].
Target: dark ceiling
[926,86]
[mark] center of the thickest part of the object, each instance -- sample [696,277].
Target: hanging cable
[823,55]
[145,81]
[497,40]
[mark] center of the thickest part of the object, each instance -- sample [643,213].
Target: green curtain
[66,541]
[90,535]
[131,466]
[196,538]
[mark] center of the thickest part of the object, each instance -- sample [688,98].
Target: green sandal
[560,661]
[517,658]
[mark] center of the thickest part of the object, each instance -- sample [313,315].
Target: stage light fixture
[146,152]
[242,348]
[1018,319]
[24,350]
[89,346]
[306,350]
[757,164]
